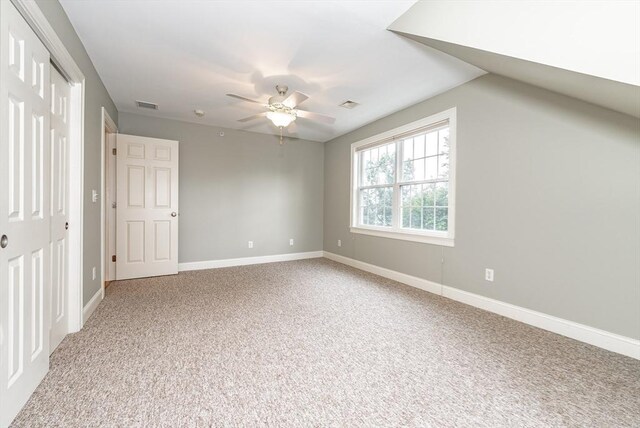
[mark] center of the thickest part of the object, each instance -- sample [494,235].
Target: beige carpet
[316,343]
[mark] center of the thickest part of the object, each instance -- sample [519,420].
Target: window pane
[428,215]
[432,144]
[432,168]
[408,171]
[407,149]
[416,218]
[428,195]
[406,216]
[418,147]
[388,217]
[378,165]
[443,166]
[376,206]
[419,195]
[418,169]
[442,194]
[442,219]
[443,143]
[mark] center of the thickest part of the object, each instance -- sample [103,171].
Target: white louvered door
[147,207]
[24,212]
[59,188]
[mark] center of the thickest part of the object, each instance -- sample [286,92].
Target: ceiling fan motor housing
[276,100]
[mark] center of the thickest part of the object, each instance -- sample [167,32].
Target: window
[403,182]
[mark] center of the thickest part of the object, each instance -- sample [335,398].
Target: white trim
[91,306]
[243,261]
[76,207]
[405,236]
[396,231]
[593,336]
[45,32]
[414,281]
[65,63]
[108,125]
[583,333]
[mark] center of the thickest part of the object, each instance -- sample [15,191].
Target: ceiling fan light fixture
[281,119]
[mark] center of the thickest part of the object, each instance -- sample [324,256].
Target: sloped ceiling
[588,50]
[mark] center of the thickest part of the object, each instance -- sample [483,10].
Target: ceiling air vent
[349,104]
[145,104]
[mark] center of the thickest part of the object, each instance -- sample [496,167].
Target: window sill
[404,236]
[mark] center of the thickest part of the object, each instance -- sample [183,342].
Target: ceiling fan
[282,109]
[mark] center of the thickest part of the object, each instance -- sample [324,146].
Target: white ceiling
[186,55]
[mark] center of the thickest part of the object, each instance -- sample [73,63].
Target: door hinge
[113,258]
[114,151]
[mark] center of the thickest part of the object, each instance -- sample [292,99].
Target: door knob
[4,241]
[173,214]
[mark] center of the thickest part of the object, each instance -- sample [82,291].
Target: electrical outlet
[94,195]
[250,244]
[291,242]
[488,274]
[93,273]
[339,242]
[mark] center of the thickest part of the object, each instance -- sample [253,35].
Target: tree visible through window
[425,181]
[404,184]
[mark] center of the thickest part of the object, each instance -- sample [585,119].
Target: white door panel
[24,212]
[60,130]
[147,193]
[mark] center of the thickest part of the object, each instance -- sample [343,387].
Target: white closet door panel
[24,212]
[59,190]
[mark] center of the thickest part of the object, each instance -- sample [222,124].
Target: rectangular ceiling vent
[349,104]
[145,104]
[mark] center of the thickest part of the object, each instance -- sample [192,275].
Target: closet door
[24,212]
[59,188]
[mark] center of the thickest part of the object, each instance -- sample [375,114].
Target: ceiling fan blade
[294,99]
[315,116]
[245,99]
[255,116]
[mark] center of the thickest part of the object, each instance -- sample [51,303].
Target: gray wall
[241,187]
[548,195]
[96,97]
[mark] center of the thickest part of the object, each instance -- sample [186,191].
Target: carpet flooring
[315,343]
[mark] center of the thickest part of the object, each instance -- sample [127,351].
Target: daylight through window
[404,183]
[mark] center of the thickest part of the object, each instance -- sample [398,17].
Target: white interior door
[147,207]
[60,129]
[24,212]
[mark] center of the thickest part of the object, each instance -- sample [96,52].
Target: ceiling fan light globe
[281,119]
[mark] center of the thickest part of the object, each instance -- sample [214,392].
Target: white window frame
[396,231]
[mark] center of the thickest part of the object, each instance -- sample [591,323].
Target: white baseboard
[593,336]
[243,261]
[91,306]
[414,281]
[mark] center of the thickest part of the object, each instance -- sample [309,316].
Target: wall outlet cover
[488,274]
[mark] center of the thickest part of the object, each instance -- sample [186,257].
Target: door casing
[108,181]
